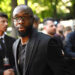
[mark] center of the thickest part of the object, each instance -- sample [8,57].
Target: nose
[54,27]
[6,23]
[20,21]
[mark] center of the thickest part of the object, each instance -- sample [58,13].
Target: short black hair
[47,19]
[3,15]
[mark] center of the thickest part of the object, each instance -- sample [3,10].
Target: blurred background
[60,10]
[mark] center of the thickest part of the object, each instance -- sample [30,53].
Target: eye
[4,21]
[23,18]
[16,18]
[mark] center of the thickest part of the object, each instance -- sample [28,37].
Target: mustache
[20,26]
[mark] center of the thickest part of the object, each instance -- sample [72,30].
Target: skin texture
[23,21]
[3,28]
[3,25]
[23,25]
[50,28]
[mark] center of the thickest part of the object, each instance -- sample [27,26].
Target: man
[70,52]
[35,53]
[49,27]
[59,31]
[36,22]
[6,42]
[67,30]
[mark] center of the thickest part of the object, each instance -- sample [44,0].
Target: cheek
[49,28]
[28,23]
[1,26]
[15,24]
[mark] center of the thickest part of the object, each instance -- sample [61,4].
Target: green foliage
[52,8]
[42,8]
[5,7]
[20,2]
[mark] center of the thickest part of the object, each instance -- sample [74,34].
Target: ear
[32,20]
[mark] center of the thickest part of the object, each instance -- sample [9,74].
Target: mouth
[5,28]
[21,29]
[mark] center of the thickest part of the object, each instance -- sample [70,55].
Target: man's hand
[9,72]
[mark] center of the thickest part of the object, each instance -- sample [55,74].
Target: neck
[1,33]
[51,35]
[24,40]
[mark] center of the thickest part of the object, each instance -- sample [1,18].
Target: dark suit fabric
[70,44]
[9,53]
[42,56]
[70,52]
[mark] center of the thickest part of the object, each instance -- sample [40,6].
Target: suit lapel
[15,53]
[6,42]
[29,50]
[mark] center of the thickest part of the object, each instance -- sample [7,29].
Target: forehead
[3,18]
[19,13]
[50,23]
[60,26]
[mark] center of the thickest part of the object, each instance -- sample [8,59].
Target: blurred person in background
[6,42]
[36,22]
[70,52]
[67,30]
[49,27]
[35,53]
[59,31]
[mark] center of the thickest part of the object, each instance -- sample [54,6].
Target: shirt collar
[2,36]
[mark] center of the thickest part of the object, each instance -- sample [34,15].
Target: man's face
[3,24]
[60,28]
[23,22]
[50,28]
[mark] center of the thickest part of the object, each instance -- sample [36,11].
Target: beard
[53,33]
[27,32]
[61,31]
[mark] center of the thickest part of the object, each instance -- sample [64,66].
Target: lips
[21,29]
[5,27]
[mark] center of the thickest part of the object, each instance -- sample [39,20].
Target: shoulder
[47,40]
[9,37]
[70,36]
[43,36]
[40,35]
[17,41]
[47,37]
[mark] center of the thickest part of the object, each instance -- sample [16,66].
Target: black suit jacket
[9,42]
[70,52]
[70,45]
[42,56]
